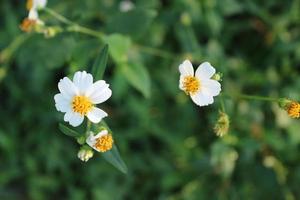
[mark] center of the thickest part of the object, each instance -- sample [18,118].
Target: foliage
[166,141]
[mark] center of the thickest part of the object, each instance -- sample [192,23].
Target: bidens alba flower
[199,85]
[77,98]
[101,142]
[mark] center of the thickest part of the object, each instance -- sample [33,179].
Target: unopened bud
[85,153]
[222,126]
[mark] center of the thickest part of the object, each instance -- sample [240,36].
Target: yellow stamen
[81,104]
[191,84]
[104,143]
[293,110]
[28,25]
[29,4]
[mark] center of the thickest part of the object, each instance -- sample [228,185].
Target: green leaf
[138,76]
[114,158]
[119,47]
[67,131]
[133,23]
[100,63]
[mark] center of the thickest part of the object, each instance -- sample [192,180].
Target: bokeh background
[167,142]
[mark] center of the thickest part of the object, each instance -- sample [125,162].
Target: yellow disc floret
[293,110]
[104,143]
[29,4]
[191,84]
[81,105]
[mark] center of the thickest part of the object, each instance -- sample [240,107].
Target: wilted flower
[199,85]
[222,126]
[85,153]
[101,142]
[291,107]
[77,98]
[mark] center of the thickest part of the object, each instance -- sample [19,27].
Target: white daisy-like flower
[199,85]
[101,142]
[78,98]
[36,4]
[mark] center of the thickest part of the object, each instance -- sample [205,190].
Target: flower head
[291,107]
[199,85]
[222,126]
[101,142]
[78,98]
[85,153]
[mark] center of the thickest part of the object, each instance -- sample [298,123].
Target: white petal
[186,68]
[61,103]
[181,79]
[33,14]
[74,119]
[96,115]
[83,81]
[99,92]
[205,71]
[67,88]
[211,87]
[201,99]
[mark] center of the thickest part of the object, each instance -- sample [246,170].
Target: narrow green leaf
[100,63]
[119,47]
[114,158]
[138,76]
[67,131]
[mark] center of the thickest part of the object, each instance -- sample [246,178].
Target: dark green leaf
[119,47]
[114,158]
[67,131]
[100,63]
[138,76]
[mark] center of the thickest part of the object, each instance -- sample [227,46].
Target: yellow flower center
[104,143]
[191,84]
[81,104]
[29,4]
[294,110]
[28,25]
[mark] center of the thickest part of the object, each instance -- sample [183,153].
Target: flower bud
[222,126]
[85,153]
[217,76]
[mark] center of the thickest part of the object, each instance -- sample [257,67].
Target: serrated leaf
[138,76]
[114,158]
[100,63]
[67,131]
[119,47]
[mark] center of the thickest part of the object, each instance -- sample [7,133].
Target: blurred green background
[167,142]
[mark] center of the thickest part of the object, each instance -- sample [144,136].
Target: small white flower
[101,142]
[199,85]
[126,6]
[77,98]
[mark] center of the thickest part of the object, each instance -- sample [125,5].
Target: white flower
[126,6]
[36,4]
[101,142]
[199,85]
[78,98]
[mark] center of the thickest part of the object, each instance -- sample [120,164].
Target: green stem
[222,104]
[74,27]
[88,128]
[252,97]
